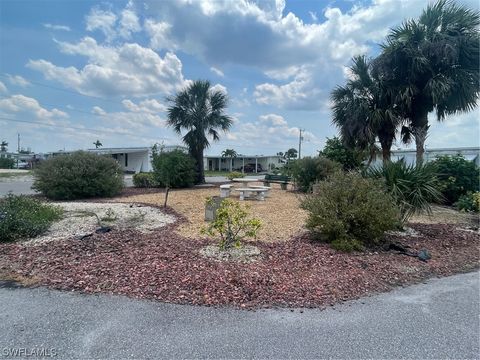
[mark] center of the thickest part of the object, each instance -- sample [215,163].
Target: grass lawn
[216,173]
[8,173]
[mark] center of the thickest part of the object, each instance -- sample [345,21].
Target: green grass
[4,175]
[216,173]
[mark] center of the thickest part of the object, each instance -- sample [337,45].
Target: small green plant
[350,212]
[78,175]
[232,224]
[6,163]
[470,202]
[456,176]
[414,188]
[110,216]
[309,170]
[144,180]
[24,217]
[235,175]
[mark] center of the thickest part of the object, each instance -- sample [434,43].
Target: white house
[257,163]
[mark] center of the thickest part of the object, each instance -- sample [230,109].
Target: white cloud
[3,88]
[151,106]
[21,103]
[217,71]
[274,119]
[159,33]
[17,80]
[102,20]
[219,87]
[128,69]
[129,22]
[56,27]
[313,15]
[97,110]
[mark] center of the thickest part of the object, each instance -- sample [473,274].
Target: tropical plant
[232,224]
[350,212]
[200,111]
[431,63]
[78,175]
[173,169]
[414,188]
[97,144]
[25,217]
[3,146]
[309,170]
[229,153]
[290,154]
[363,111]
[456,176]
[469,202]
[336,150]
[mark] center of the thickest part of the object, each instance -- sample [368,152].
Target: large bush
[6,163]
[457,176]
[25,217]
[144,180]
[78,175]
[350,212]
[469,202]
[309,170]
[414,188]
[336,151]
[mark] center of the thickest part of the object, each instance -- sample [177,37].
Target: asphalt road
[438,319]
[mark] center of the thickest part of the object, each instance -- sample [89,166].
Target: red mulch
[299,273]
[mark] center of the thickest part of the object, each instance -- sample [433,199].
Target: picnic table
[247,192]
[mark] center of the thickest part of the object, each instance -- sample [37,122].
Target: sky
[72,72]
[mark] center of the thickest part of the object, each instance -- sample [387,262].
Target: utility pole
[300,140]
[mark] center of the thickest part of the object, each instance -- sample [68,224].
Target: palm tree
[200,111]
[229,153]
[3,146]
[432,64]
[363,111]
[97,144]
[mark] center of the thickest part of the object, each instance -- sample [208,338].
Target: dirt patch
[298,273]
[280,213]
[447,215]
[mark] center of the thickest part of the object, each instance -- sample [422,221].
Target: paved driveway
[438,319]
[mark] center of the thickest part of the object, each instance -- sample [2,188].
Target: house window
[126,160]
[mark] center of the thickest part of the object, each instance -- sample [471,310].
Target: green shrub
[6,163]
[78,175]
[457,176]
[350,211]
[25,217]
[414,188]
[310,170]
[336,151]
[469,202]
[235,175]
[144,180]
[232,224]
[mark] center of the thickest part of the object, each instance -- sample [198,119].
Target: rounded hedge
[78,175]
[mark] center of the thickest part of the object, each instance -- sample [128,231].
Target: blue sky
[72,72]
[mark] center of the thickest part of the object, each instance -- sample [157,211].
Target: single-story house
[410,155]
[258,163]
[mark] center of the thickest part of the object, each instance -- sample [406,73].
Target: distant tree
[200,111]
[335,150]
[3,146]
[97,144]
[229,153]
[291,154]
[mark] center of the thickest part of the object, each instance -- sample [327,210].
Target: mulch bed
[296,273]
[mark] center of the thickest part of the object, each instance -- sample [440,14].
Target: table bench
[246,192]
[283,180]
[266,188]
[225,190]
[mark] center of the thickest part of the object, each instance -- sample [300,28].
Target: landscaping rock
[245,254]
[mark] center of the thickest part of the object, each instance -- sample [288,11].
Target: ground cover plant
[78,175]
[469,202]
[144,180]
[350,212]
[25,217]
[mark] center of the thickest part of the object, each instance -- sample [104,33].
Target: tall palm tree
[200,111]
[97,144]
[229,153]
[3,146]
[431,63]
[363,111]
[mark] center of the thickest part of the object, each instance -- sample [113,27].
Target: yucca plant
[414,188]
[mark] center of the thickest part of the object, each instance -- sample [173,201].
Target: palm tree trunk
[386,144]
[420,132]
[200,170]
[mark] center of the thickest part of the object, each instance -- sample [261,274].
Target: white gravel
[82,218]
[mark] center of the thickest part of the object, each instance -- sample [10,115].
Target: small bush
[235,175]
[232,224]
[414,188]
[144,180]
[336,151]
[310,170]
[25,217]
[456,176]
[469,202]
[6,163]
[78,175]
[174,169]
[350,212]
